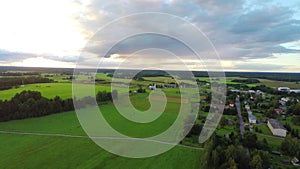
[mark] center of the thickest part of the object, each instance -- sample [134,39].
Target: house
[252,118]
[295,90]
[278,111]
[276,153]
[152,87]
[171,85]
[285,99]
[231,104]
[295,162]
[276,128]
[284,89]
[258,92]
[234,90]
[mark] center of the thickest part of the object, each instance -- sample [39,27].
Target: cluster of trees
[230,111]
[294,109]
[296,120]
[247,81]
[29,104]
[293,132]
[228,152]
[7,83]
[141,90]
[250,140]
[223,153]
[266,89]
[104,96]
[195,130]
[290,146]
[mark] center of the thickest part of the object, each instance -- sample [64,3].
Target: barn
[276,128]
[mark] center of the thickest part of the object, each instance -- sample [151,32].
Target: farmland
[50,90]
[35,151]
[66,152]
[61,138]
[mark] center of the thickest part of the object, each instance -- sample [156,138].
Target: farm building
[252,118]
[276,128]
[283,89]
[152,87]
[295,162]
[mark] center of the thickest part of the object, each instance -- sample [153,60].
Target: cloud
[7,56]
[237,28]
[259,66]
[241,30]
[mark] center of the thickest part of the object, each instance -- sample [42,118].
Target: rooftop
[251,116]
[276,124]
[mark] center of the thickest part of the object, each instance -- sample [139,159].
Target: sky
[248,35]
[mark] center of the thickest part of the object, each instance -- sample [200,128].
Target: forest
[29,104]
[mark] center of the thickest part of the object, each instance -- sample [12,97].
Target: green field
[48,151]
[267,82]
[32,151]
[50,90]
[276,84]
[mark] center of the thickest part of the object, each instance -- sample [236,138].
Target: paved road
[238,109]
[96,137]
[242,124]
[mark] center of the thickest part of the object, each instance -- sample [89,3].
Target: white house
[152,87]
[252,118]
[276,128]
[284,89]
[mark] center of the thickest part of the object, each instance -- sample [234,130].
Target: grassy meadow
[32,151]
[48,151]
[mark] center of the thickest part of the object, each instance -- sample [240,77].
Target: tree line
[8,83]
[19,73]
[247,81]
[28,104]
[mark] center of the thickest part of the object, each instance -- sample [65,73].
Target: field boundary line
[96,137]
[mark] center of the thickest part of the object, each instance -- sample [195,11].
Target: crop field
[36,151]
[274,83]
[267,82]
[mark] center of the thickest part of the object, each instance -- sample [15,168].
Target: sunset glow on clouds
[249,35]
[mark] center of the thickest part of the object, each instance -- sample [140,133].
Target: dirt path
[94,137]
